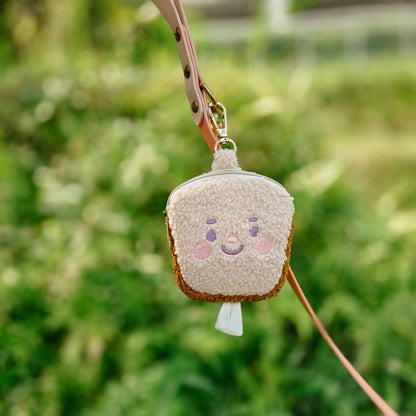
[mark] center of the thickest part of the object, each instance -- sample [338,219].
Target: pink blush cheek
[263,245]
[202,251]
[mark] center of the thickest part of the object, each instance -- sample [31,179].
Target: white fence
[353,26]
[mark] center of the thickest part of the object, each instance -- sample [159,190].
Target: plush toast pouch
[230,236]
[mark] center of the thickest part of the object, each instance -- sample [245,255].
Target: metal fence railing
[355,31]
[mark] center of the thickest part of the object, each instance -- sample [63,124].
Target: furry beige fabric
[225,159]
[231,233]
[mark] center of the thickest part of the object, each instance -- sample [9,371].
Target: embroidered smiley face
[233,245]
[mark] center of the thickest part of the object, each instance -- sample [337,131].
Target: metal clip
[217,115]
[218,118]
[209,93]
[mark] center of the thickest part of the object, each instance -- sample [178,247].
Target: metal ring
[209,93]
[222,141]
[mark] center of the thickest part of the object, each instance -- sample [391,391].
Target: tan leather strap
[378,401]
[174,14]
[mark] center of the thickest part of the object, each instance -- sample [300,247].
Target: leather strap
[173,12]
[378,401]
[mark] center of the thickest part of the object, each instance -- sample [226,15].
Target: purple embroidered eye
[252,219]
[254,231]
[211,221]
[211,236]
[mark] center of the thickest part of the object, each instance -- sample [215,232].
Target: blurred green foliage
[300,5]
[95,131]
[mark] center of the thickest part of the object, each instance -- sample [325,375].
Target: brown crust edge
[207,297]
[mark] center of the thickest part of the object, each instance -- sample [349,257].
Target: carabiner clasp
[218,118]
[216,113]
[209,93]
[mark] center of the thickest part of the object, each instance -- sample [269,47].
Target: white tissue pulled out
[230,320]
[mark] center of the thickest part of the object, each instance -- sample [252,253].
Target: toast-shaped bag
[230,234]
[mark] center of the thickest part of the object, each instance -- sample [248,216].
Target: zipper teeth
[221,173]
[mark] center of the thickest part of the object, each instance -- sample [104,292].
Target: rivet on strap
[177,34]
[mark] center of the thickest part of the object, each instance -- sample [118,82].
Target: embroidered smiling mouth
[226,251]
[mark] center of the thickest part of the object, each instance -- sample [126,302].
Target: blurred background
[95,131]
